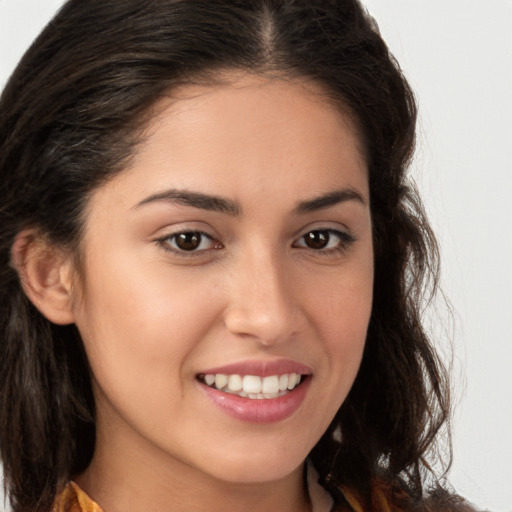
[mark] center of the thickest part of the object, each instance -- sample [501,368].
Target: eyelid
[163,241]
[346,240]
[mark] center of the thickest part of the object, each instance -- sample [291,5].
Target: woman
[212,265]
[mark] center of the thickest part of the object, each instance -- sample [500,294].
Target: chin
[258,465]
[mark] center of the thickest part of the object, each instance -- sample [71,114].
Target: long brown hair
[69,120]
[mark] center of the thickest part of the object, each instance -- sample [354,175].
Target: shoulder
[390,497]
[444,501]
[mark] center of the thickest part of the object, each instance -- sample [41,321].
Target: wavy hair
[70,118]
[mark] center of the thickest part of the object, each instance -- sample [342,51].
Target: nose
[261,302]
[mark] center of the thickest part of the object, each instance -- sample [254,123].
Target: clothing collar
[74,499]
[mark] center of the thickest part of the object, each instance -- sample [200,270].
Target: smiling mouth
[253,386]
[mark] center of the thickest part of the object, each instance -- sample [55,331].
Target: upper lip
[260,368]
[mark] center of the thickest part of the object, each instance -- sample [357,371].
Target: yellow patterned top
[73,499]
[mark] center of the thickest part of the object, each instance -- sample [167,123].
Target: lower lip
[269,410]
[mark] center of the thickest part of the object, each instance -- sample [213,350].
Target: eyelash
[345,240]
[167,240]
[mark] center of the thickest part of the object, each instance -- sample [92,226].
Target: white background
[458,56]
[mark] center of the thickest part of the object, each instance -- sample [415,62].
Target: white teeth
[293,380]
[220,381]
[283,382]
[270,384]
[235,383]
[253,386]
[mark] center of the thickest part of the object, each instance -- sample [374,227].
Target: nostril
[265,326]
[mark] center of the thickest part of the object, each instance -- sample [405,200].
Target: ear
[46,276]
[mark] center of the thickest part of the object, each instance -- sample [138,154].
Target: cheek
[345,340]
[341,313]
[143,322]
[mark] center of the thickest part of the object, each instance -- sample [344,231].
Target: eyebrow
[230,207]
[196,200]
[330,199]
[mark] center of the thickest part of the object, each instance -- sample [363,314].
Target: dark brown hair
[69,120]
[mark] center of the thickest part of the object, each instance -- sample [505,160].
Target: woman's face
[234,253]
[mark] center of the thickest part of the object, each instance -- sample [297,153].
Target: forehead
[248,136]
[261,99]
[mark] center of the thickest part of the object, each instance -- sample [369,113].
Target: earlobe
[45,273]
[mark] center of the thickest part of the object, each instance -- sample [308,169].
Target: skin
[153,318]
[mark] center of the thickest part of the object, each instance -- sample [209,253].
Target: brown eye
[325,240]
[188,241]
[317,239]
